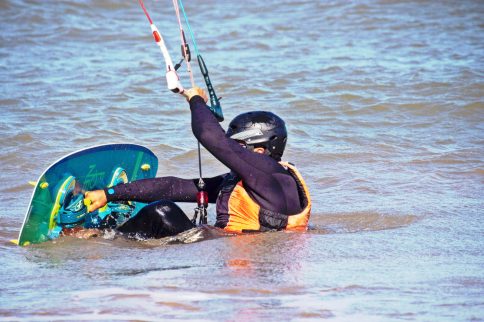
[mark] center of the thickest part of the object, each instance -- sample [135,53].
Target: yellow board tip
[43,185]
[14,241]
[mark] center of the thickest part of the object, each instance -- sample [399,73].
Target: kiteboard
[57,201]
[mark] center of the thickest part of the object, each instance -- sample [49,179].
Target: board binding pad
[57,201]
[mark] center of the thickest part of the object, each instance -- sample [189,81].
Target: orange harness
[246,215]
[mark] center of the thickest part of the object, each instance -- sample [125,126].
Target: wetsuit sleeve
[267,179]
[211,135]
[163,188]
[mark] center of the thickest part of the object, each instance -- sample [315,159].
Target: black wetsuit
[266,181]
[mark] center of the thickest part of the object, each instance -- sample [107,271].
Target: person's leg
[158,219]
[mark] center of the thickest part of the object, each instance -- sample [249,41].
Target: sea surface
[384,103]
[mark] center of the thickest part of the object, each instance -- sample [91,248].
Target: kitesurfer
[260,193]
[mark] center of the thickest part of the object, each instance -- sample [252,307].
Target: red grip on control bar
[202,198]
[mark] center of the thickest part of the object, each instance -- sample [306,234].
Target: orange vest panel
[299,222]
[244,211]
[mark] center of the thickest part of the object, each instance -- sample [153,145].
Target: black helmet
[260,129]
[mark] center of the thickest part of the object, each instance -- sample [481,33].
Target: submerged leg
[158,219]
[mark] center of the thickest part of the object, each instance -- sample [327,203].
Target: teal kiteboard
[58,203]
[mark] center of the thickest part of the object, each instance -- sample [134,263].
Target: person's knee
[174,219]
[165,209]
[158,219]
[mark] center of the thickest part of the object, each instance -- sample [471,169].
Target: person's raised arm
[248,165]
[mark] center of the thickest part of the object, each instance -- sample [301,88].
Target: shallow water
[384,106]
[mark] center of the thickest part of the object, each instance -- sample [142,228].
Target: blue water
[384,106]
